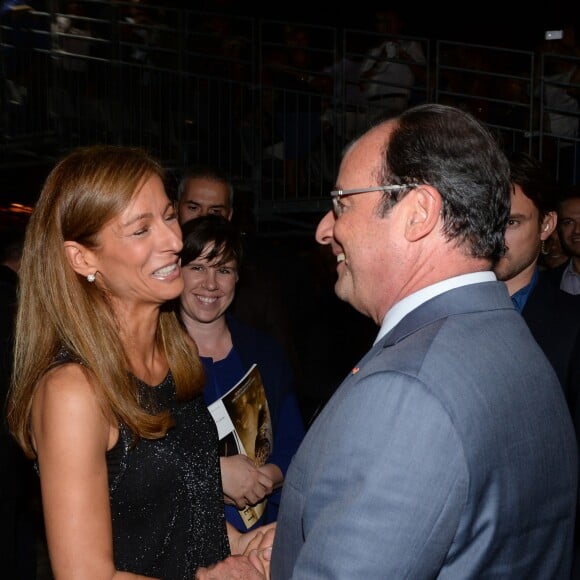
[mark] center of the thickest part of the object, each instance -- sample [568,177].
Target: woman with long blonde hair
[106,391]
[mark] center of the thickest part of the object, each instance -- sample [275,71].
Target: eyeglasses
[338,208]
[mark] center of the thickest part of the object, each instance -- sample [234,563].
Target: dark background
[514,25]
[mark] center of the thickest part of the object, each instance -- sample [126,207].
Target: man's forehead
[520,201]
[207,191]
[363,159]
[367,151]
[570,206]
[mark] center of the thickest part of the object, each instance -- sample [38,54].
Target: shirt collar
[399,310]
[520,297]
[570,281]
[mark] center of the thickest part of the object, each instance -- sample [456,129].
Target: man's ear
[426,206]
[80,258]
[548,225]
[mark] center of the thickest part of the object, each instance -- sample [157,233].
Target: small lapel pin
[355,370]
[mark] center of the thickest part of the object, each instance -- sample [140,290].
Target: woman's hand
[243,483]
[274,473]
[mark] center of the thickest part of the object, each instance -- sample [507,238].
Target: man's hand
[259,539]
[254,564]
[232,568]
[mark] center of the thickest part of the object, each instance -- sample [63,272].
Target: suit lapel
[470,298]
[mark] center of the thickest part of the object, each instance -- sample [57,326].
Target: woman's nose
[209,281]
[173,237]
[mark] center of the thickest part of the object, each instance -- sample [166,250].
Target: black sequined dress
[166,495]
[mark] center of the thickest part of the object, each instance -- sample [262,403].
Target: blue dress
[250,346]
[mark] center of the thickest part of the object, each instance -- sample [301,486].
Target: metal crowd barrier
[273,103]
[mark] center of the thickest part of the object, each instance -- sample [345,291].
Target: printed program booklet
[244,426]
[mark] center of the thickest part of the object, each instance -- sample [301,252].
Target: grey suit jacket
[448,452]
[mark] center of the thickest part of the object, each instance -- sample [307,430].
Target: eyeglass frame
[338,193]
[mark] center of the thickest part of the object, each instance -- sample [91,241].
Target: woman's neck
[213,338]
[139,336]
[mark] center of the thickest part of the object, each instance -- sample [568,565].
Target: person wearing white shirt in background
[391,68]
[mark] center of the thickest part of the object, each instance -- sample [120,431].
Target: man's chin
[341,291]
[502,272]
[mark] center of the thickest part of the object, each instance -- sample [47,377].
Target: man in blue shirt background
[552,315]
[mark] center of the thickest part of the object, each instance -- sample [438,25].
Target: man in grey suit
[448,451]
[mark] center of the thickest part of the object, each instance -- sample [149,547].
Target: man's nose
[324,230]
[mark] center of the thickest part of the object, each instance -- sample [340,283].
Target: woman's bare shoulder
[69,379]
[66,402]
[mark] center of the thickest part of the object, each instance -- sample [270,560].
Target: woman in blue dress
[211,259]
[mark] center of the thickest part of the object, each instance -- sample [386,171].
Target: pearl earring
[91,278]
